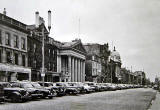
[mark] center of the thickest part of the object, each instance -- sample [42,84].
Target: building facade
[13,50]
[35,54]
[71,61]
[115,66]
[97,68]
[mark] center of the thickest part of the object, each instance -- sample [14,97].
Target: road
[131,99]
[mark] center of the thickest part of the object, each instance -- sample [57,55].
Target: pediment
[79,47]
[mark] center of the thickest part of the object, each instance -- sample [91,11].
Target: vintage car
[1,93]
[14,94]
[87,88]
[33,92]
[69,89]
[77,85]
[95,87]
[45,92]
[57,90]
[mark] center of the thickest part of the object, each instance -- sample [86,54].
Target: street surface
[131,99]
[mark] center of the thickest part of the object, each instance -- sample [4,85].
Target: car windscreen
[36,85]
[27,85]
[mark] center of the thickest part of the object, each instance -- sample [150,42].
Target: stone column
[73,72]
[59,66]
[83,71]
[69,68]
[80,70]
[78,73]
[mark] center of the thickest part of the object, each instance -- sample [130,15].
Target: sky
[132,26]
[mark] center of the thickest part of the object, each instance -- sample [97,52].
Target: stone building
[71,61]
[35,54]
[13,50]
[115,66]
[97,62]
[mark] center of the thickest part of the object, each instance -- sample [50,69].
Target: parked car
[77,85]
[33,92]
[68,88]
[14,94]
[1,93]
[87,88]
[95,87]
[49,86]
[45,92]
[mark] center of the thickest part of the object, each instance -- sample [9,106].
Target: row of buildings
[21,57]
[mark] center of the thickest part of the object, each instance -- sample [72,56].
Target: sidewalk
[156,102]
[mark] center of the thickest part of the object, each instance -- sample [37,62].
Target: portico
[72,62]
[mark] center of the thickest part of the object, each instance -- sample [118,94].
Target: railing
[12,21]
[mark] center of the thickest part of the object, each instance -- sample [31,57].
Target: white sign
[42,75]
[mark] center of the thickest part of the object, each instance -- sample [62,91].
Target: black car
[56,91]
[60,89]
[45,92]
[1,93]
[14,94]
[69,88]
[33,92]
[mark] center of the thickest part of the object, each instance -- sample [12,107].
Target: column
[81,71]
[83,75]
[59,63]
[72,77]
[75,74]
[69,68]
[78,78]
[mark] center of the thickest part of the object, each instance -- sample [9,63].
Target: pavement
[130,99]
[156,103]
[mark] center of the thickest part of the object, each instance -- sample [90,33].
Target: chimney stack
[37,19]
[49,20]
[4,11]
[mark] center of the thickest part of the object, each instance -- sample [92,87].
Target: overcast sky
[132,25]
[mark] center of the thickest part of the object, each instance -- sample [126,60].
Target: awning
[14,68]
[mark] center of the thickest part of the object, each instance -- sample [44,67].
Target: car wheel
[50,97]
[15,98]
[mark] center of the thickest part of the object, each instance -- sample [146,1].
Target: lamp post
[43,35]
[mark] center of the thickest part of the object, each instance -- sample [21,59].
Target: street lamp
[43,34]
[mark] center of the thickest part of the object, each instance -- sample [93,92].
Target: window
[23,60]
[23,44]
[7,36]
[16,41]
[34,63]
[16,58]
[0,36]
[49,51]
[9,59]
[49,66]
[34,47]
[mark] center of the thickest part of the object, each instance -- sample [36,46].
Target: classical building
[115,66]
[71,61]
[13,50]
